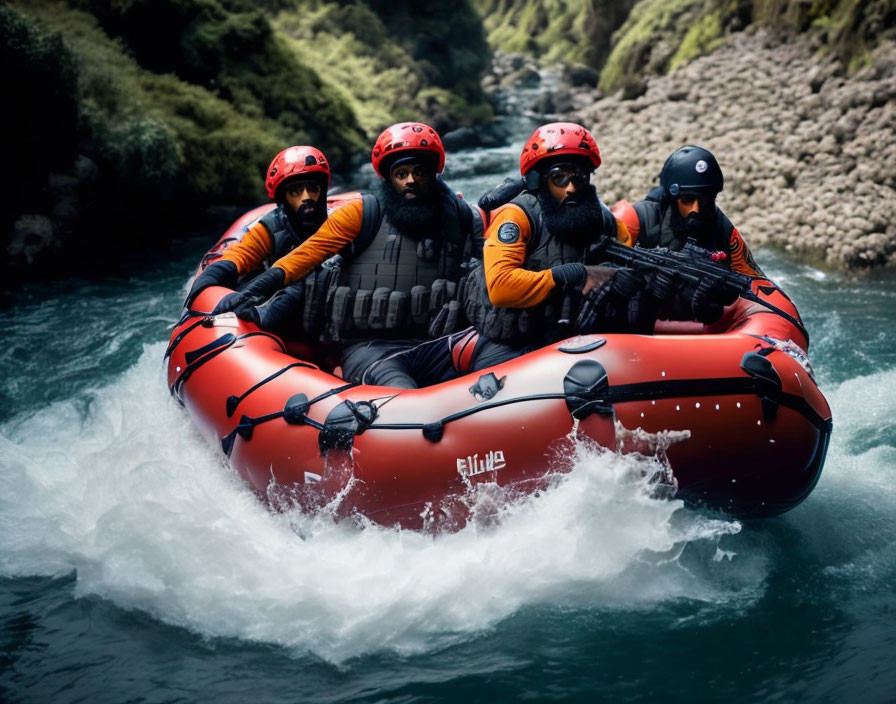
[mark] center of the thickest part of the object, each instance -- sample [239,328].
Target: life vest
[551,317]
[399,286]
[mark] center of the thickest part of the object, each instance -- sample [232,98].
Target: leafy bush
[230,48]
[380,56]
[39,82]
[571,31]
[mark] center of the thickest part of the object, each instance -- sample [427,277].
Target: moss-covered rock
[230,48]
[394,60]
[661,35]
[567,31]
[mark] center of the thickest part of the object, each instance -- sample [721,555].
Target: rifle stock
[691,266]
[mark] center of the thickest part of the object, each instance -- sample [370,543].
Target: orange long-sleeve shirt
[249,253]
[509,284]
[341,228]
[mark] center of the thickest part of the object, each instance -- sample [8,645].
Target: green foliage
[224,154]
[638,47]
[229,47]
[848,29]
[571,31]
[39,82]
[379,57]
[449,37]
[630,40]
[660,35]
[703,36]
[370,76]
[162,145]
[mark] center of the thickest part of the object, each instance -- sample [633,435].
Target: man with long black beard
[683,207]
[297,180]
[530,287]
[401,254]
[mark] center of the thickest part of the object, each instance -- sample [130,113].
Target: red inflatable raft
[752,425]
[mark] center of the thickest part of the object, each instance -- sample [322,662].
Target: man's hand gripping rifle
[690,284]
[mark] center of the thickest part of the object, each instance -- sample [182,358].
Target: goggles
[562,174]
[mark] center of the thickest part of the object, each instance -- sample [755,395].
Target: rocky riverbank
[809,155]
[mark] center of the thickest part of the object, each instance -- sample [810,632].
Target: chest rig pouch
[390,284]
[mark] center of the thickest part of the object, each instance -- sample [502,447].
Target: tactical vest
[398,286]
[548,319]
[284,238]
[656,228]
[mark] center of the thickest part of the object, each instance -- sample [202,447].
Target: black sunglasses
[562,174]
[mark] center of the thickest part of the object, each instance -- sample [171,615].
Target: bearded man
[535,248]
[400,261]
[683,208]
[297,181]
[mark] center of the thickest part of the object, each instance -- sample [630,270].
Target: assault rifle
[692,268]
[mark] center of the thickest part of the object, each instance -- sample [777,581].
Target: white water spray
[117,487]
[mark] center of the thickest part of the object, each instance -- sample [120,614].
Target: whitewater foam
[118,487]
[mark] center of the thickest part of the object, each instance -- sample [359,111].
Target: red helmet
[296,161]
[555,139]
[407,137]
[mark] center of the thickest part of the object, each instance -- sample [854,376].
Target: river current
[136,566]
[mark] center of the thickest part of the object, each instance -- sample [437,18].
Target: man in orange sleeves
[534,275]
[394,262]
[297,180]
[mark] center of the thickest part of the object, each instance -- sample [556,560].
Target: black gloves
[259,289]
[618,304]
[218,273]
[582,278]
[280,313]
[701,302]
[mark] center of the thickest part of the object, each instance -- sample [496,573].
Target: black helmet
[691,170]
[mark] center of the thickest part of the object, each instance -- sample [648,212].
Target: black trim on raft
[212,350]
[487,386]
[433,431]
[182,334]
[580,349]
[346,420]
[750,296]
[763,371]
[295,409]
[586,388]
[294,412]
[234,401]
[654,390]
[586,394]
[224,341]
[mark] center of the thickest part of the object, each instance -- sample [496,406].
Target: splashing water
[129,497]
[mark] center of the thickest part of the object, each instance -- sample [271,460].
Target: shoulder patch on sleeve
[509,233]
